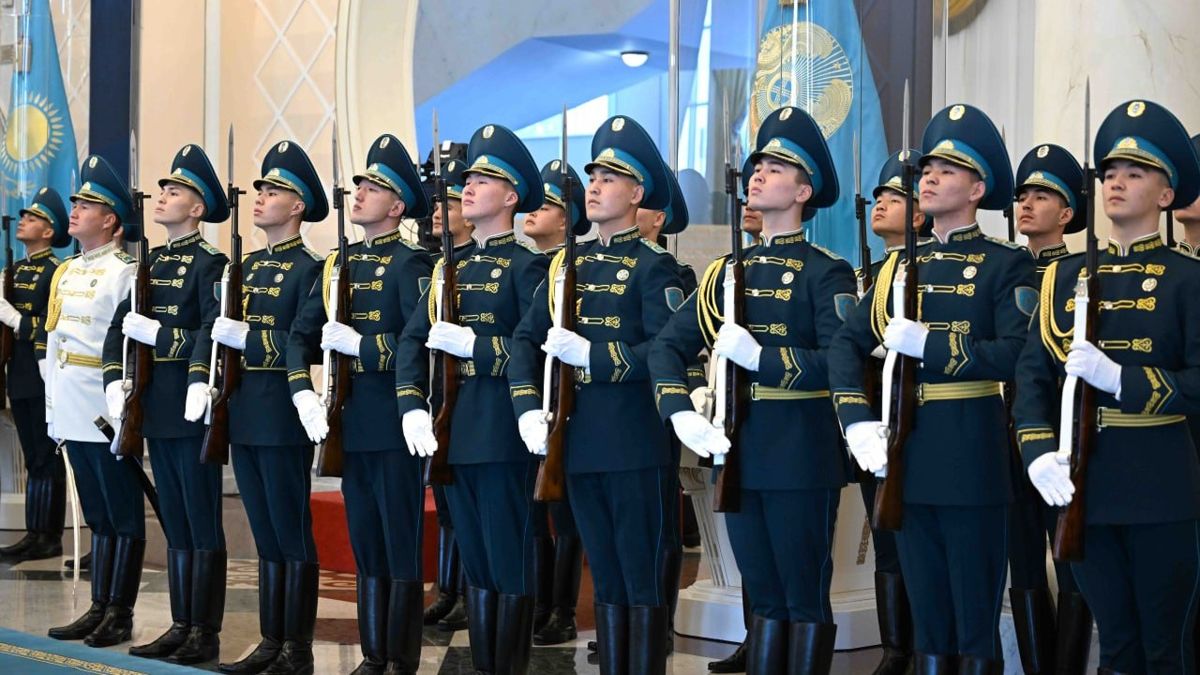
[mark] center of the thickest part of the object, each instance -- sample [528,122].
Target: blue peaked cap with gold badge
[1053,168]
[48,205]
[790,135]
[192,169]
[962,134]
[552,185]
[101,185]
[496,151]
[676,210]
[390,167]
[623,146]
[288,166]
[1148,134]
[891,175]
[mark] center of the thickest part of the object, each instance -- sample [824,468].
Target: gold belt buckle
[921,393]
[62,359]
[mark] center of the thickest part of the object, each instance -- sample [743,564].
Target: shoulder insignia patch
[654,247]
[217,287]
[210,248]
[827,252]
[123,256]
[675,297]
[844,303]
[423,284]
[1027,299]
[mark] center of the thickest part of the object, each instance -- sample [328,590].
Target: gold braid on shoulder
[708,301]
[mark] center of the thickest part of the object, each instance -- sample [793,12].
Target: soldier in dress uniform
[975,299]
[1048,181]
[547,227]
[493,474]
[271,451]
[183,304]
[84,296]
[1141,536]
[381,481]
[796,296]
[1189,218]
[43,224]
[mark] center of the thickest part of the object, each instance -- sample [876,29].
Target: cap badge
[283,146]
[1135,108]
[783,116]
[92,162]
[956,112]
[618,124]
[1043,151]
[488,131]
[554,165]
[383,142]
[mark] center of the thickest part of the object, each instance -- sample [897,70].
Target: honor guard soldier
[43,225]
[1189,218]
[975,299]
[1139,564]
[183,304]
[627,289]
[271,452]
[557,560]
[84,296]
[1048,181]
[449,609]
[381,480]
[796,296]
[493,475]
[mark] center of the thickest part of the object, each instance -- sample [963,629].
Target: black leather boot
[1074,640]
[895,624]
[49,509]
[208,609]
[300,620]
[672,561]
[404,625]
[372,624]
[934,664]
[612,638]
[768,648]
[1033,621]
[270,621]
[482,606]
[179,585]
[977,665]
[457,618]
[568,569]
[10,553]
[810,648]
[735,662]
[103,548]
[648,640]
[447,578]
[117,625]
[543,581]
[514,632]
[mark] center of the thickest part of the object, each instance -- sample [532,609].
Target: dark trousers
[109,492]
[41,460]
[493,524]
[622,522]
[560,512]
[1143,585]
[442,505]
[189,494]
[385,507]
[887,558]
[783,543]
[955,562]
[1032,523]
[275,482]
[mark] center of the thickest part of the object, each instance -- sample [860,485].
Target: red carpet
[333,539]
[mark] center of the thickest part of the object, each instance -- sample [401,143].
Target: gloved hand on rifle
[114,399]
[534,430]
[452,338]
[868,446]
[9,316]
[1052,478]
[569,347]
[418,433]
[230,333]
[141,328]
[340,338]
[197,401]
[1088,363]
[906,336]
[738,345]
[695,431]
[312,414]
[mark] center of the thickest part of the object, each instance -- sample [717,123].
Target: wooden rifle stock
[215,449]
[332,455]
[727,493]
[131,442]
[437,470]
[7,334]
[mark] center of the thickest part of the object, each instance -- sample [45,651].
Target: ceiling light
[635,58]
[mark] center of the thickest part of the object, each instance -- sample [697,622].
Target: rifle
[559,384]
[7,335]
[1077,431]
[899,371]
[1171,243]
[215,449]
[337,366]
[437,470]
[1008,210]
[139,359]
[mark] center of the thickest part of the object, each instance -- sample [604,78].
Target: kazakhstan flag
[39,141]
[810,55]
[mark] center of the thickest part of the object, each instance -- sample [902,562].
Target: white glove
[340,338]
[230,333]
[868,446]
[312,414]
[418,433]
[114,397]
[906,336]
[696,432]
[569,347]
[196,403]
[1086,361]
[702,399]
[738,345]
[1052,479]
[141,328]
[9,316]
[534,430]
[115,423]
[42,369]
[452,339]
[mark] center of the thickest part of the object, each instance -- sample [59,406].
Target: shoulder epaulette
[654,247]
[124,257]
[54,259]
[529,247]
[412,246]
[1006,243]
[210,248]
[313,254]
[1183,254]
[827,252]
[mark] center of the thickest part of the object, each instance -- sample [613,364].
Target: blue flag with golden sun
[39,141]
[810,55]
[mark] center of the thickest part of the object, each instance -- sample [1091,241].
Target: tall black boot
[271,577]
[568,569]
[103,547]
[768,648]
[481,627]
[934,664]
[895,624]
[49,512]
[543,581]
[300,620]
[672,569]
[736,662]
[457,618]
[612,638]
[179,585]
[372,624]
[514,632]
[208,609]
[977,665]
[117,625]
[447,578]
[1074,643]
[648,640]
[1033,621]
[14,552]
[810,648]
[404,625]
